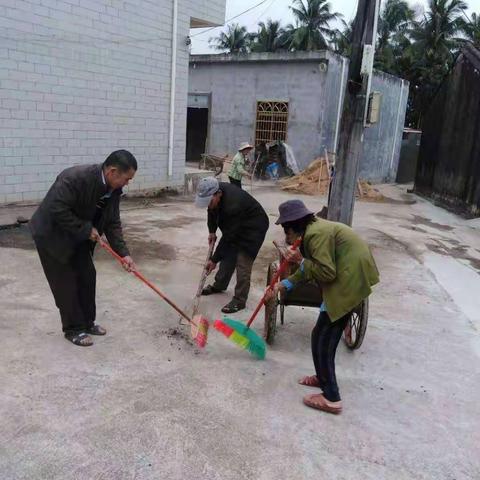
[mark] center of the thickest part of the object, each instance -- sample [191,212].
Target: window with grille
[272,122]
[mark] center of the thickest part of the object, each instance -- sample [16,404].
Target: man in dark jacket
[81,205]
[244,224]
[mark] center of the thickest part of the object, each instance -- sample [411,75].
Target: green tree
[435,36]
[471,29]
[395,19]
[393,25]
[269,38]
[234,40]
[312,28]
[341,39]
[432,52]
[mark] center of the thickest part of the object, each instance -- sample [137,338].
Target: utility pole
[355,105]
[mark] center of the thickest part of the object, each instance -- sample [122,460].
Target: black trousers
[325,337]
[238,183]
[73,287]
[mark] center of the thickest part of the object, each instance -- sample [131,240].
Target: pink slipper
[309,381]
[319,402]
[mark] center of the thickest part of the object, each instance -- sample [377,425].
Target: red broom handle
[281,269]
[109,249]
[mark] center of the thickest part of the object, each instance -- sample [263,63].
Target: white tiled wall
[81,78]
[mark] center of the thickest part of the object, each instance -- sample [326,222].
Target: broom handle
[281,269]
[204,271]
[196,301]
[109,249]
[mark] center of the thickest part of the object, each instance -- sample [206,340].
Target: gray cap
[207,187]
[292,210]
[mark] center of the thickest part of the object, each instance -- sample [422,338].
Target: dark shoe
[96,330]
[210,290]
[233,307]
[81,339]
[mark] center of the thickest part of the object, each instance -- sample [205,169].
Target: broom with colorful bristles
[199,323]
[240,333]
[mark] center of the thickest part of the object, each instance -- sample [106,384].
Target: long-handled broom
[201,284]
[199,323]
[242,334]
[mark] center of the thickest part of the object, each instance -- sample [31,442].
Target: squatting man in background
[80,206]
[340,262]
[244,224]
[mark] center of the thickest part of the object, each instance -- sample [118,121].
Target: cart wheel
[282,313]
[354,332]
[271,307]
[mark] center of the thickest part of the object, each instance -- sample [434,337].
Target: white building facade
[81,78]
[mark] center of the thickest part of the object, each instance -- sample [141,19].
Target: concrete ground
[144,404]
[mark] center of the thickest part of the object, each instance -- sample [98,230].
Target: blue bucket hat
[292,210]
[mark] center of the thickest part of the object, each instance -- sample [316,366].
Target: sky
[278,10]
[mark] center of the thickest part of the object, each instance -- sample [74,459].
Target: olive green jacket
[340,262]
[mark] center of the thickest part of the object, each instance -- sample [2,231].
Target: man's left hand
[128,264]
[293,256]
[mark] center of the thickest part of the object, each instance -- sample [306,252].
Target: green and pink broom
[241,334]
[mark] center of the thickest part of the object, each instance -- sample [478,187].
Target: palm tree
[269,37]
[471,29]
[341,39]
[312,24]
[435,34]
[395,19]
[393,25]
[432,51]
[234,40]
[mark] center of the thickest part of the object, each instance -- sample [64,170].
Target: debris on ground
[367,192]
[314,180]
[177,333]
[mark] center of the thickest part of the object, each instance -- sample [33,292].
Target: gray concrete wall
[76,85]
[236,87]
[383,141]
[236,83]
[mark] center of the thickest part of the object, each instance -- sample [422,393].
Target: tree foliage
[420,48]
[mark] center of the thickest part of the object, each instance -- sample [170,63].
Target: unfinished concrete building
[295,97]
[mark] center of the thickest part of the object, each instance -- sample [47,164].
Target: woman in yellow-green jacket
[335,257]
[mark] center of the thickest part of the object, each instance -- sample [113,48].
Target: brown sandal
[310,381]
[319,402]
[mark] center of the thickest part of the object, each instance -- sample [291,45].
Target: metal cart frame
[310,295]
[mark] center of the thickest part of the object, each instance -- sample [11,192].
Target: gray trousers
[242,263]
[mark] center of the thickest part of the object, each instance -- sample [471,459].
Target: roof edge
[316,56]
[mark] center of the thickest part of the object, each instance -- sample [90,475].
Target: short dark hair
[122,159]
[300,225]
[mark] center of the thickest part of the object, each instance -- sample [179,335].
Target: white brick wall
[81,78]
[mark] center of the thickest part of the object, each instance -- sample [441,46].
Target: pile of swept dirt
[314,180]
[367,192]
